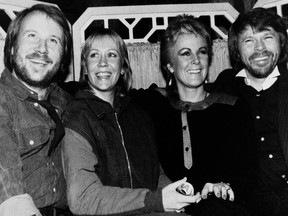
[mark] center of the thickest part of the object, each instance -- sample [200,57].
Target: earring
[170,82]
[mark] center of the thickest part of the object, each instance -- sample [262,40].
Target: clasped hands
[175,201]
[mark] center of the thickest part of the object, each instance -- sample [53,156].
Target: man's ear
[170,68]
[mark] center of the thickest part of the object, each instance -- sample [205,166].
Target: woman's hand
[219,189]
[175,201]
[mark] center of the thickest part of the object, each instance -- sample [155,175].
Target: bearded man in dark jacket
[258,49]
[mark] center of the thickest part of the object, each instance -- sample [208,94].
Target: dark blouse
[221,139]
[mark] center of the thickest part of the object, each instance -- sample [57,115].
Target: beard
[23,73]
[261,71]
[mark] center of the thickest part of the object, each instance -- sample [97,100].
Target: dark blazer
[228,82]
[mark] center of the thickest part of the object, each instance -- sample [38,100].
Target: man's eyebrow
[29,30]
[53,35]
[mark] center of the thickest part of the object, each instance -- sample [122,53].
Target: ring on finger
[180,210]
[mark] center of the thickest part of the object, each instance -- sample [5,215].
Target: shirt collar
[269,81]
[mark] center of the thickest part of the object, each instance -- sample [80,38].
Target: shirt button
[270,156]
[54,190]
[257,95]
[283,176]
[52,163]
[262,139]
[186,149]
[257,117]
[36,104]
[31,142]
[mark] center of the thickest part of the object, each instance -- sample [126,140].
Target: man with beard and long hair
[258,49]
[37,52]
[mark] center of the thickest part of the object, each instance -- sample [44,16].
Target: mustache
[260,54]
[37,55]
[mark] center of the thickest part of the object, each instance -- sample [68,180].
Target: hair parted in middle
[259,19]
[53,13]
[124,83]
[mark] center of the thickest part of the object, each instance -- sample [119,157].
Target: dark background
[74,8]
